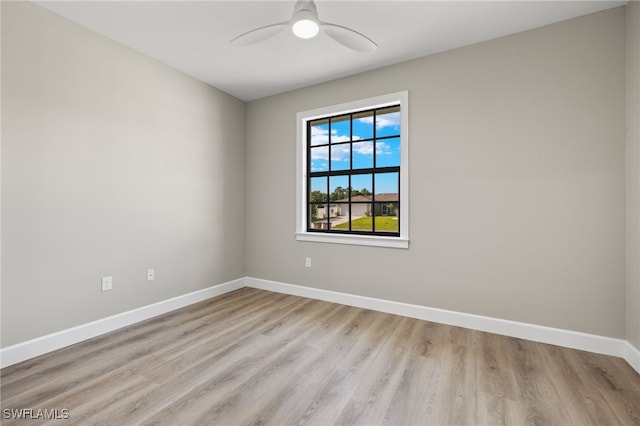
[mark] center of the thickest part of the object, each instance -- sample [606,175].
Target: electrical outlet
[107,283]
[151,274]
[307,262]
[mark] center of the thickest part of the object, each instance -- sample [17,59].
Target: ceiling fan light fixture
[305,24]
[305,28]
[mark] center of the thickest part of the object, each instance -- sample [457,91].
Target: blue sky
[387,150]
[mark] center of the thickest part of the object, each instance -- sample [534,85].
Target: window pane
[387,186]
[361,188]
[388,122]
[340,157]
[363,125]
[320,132]
[340,222]
[320,159]
[388,152]
[361,219]
[363,155]
[341,129]
[386,209]
[318,190]
[386,217]
[319,216]
[339,187]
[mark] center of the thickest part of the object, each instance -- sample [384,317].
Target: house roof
[389,197]
[385,198]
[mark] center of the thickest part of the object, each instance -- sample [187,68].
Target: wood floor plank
[86,350]
[415,395]
[496,367]
[213,361]
[278,365]
[615,382]
[577,390]
[337,388]
[456,388]
[257,357]
[372,397]
[289,403]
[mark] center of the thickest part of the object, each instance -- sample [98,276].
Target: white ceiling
[193,36]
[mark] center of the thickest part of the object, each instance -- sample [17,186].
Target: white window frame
[401,98]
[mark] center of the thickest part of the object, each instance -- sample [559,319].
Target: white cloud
[321,153]
[384,120]
[389,120]
[366,120]
[320,136]
[338,138]
[340,152]
[365,148]
[383,148]
[320,133]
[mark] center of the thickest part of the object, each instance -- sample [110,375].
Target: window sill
[357,240]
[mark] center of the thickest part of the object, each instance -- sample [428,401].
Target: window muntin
[357,165]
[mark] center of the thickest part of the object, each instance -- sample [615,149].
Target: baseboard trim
[567,338]
[632,356]
[41,345]
[555,336]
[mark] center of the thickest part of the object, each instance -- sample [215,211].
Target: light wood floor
[256,357]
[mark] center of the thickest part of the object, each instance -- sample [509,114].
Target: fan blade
[259,34]
[349,38]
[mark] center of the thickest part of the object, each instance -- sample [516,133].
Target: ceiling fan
[305,24]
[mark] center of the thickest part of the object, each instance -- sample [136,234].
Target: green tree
[338,194]
[318,196]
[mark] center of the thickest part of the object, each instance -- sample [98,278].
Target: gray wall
[111,164]
[633,173]
[517,181]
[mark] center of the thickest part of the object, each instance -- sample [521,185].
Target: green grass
[383,223]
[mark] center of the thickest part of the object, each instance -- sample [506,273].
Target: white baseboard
[32,348]
[555,336]
[572,339]
[632,356]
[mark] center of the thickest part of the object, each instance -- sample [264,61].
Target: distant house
[334,210]
[386,204]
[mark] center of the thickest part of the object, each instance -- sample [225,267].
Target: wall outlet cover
[107,283]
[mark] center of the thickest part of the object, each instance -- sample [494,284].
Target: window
[352,173]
